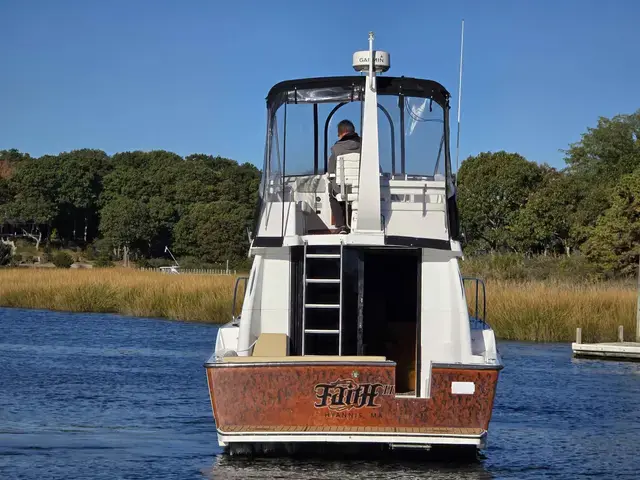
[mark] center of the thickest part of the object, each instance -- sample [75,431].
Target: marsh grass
[550,311]
[511,266]
[534,310]
[199,298]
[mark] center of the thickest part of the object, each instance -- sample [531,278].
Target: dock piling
[620,333]
[578,335]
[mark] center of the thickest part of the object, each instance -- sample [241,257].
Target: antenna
[371,62]
[459,100]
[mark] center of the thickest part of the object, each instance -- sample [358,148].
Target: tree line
[134,203]
[200,206]
[591,206]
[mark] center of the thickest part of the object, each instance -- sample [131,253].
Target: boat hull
[349,402]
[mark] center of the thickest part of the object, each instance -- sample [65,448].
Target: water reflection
[397,467]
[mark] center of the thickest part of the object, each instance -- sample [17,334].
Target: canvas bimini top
[351,88]
[415,120]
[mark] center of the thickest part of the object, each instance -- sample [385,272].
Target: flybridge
[391,190]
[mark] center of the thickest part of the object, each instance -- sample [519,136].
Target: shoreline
[533,311]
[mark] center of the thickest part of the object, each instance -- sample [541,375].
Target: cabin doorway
[391,311]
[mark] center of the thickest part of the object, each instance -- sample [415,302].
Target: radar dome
[361,61]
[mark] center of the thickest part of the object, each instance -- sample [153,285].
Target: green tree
[79,185]
[214,232]
[615,243]
[133,200]
[608,151]
[169,186]
[126,224]
[62,260]
[29,215]
[548,220]
[151,179]
[597,162]
[57,191]
[142,175]
[492,188]
[32,208]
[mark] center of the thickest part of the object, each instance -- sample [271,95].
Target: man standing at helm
[348,142]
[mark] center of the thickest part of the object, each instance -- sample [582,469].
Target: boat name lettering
[345,394]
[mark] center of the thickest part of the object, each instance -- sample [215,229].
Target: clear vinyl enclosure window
[301,134]
[424,137]
[389,132]
[411,136]
[331,114]
[300,138]
[273,171]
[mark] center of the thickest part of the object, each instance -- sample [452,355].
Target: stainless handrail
[235,295]
[477,284]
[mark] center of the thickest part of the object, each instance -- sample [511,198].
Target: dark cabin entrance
[385,323]
[392,311]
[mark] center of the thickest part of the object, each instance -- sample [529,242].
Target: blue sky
[191,76]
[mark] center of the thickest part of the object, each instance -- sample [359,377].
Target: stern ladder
[322,298]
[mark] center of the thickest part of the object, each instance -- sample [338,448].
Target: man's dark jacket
[350,143]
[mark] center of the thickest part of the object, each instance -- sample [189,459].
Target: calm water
[110,397]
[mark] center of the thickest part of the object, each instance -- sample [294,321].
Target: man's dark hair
[345,126]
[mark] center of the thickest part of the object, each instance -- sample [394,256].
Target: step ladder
[328,312]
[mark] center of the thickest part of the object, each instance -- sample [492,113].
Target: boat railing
[239,280]
[479,315]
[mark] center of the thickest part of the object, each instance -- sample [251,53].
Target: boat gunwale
[447,366]
[468,366]
[301,363]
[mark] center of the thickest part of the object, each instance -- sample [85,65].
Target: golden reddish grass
[550,312]
[535,310]
[200,298]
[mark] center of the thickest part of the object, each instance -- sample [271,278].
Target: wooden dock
[620,350]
